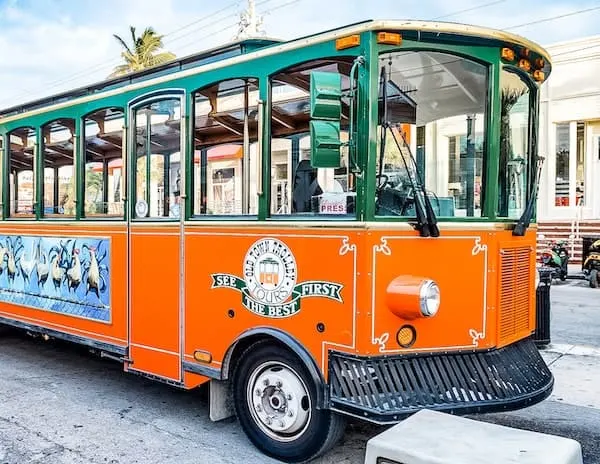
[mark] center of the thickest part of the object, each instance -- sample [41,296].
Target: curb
[575,350]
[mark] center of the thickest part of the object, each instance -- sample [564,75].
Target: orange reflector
[508,54]
[390,38]
[406,336]
[524,65]
[202,356]
[347,42]
[539,75]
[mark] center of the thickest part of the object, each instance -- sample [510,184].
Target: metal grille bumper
[384,389]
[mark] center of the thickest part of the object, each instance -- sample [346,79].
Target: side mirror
[325,114]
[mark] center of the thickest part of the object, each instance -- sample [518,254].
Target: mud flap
[221,400]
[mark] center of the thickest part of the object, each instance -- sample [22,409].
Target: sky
[50,46]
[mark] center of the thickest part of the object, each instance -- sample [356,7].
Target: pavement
[576,371]
[58,404]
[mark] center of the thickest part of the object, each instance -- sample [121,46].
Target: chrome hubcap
[279,401]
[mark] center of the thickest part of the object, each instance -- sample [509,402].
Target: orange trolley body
[306,320]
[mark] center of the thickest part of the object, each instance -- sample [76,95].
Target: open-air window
[58,158]
[297,187]
[436,110]
[103,173]
[157,168]
[225,136]
[21,165]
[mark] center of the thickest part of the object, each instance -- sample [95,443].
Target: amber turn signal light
[202,356]
[406,336]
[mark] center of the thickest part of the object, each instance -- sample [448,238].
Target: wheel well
[286,342]
[240,346]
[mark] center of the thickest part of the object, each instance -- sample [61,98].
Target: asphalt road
[575,316]
[59,404]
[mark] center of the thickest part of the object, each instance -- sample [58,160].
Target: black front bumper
[384,389]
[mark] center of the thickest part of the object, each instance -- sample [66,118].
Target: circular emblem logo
[141,208]
[270,271]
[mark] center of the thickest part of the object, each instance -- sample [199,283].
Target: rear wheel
[594,278]
[275,401]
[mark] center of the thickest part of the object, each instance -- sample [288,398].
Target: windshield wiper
[525,219]
[429,224]
[426,219]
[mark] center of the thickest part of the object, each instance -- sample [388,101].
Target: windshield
[438,102]
[514,160]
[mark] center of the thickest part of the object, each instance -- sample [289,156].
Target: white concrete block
[430,437]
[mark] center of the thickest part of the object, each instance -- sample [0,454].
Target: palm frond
[122,42]
[144,52]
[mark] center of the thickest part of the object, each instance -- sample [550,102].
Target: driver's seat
[305,187]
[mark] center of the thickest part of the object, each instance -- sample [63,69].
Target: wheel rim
[279,401]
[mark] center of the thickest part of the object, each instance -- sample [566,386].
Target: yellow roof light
[508,54]
[347,42]
[539,75]
[525,65]
[539,63]
[389,38]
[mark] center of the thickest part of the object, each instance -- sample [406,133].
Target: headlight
[429,298]
[412,297]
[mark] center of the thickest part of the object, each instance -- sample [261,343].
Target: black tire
[319,432]
[594,278]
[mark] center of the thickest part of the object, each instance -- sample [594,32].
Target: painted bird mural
[42,266]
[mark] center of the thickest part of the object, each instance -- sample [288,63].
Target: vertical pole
[148,157]
[470,171]
[421,153]
[246,157]
[105,186]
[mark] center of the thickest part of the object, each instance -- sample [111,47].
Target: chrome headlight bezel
[429,298]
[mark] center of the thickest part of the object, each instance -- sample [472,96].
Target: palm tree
[144,53]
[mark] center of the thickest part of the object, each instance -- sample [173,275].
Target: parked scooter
[556,257]
[591,264]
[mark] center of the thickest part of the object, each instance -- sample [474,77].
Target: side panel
[154,311]
[68,277]
[486,283]
[302,282]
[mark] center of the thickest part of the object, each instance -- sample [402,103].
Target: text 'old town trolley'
[339,225]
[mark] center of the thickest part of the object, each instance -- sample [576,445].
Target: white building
[569,138]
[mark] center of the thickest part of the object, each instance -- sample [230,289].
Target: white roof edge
[428,26]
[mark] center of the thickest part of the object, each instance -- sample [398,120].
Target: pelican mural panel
[60,274]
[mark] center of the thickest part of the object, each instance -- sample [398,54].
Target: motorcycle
[591,264]
[556,257]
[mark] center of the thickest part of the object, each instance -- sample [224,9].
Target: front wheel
[275,401]
[594,278]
